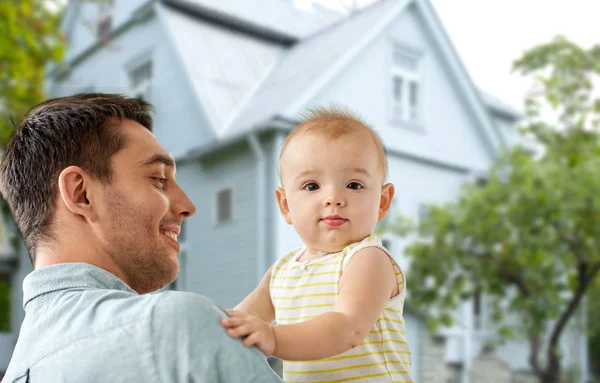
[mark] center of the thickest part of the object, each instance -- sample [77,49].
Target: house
[230,78]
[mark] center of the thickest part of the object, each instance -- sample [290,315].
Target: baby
[337,300]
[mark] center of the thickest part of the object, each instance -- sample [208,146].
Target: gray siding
[221,259]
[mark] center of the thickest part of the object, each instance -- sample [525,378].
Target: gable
[81,21]
[448,131]
[314,63]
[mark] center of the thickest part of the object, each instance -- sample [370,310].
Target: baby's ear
[385,201]
[282,202]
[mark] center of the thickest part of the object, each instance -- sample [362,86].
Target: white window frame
[144,88]
[217,206]
[403,111]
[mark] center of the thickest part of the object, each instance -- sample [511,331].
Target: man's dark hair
[81,130]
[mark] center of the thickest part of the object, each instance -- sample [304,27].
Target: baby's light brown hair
[333,123]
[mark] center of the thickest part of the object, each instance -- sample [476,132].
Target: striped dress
[303,290]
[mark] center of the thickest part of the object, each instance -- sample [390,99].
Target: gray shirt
[83,324]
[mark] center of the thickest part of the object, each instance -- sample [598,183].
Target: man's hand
[256,331]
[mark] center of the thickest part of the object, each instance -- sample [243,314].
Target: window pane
[414,100]
[224,202]
[104,28]
[141,74]
[397,88]
[405,61]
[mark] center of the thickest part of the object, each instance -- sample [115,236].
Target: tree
[31,39]
[528,239]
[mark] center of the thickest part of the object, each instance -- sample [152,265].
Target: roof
[280,16]
[308,61]
[257,33]
[500,107]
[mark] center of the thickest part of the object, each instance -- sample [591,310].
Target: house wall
[81,19]
[221,258]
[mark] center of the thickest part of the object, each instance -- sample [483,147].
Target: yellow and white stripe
[301,291]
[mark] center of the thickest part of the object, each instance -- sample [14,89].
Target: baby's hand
[256,331]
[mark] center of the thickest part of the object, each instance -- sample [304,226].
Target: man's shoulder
[181,307]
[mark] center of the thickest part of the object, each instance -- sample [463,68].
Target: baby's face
[332,189]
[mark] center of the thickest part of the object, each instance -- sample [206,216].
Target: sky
[490,34]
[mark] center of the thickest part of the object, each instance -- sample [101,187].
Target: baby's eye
[311,186]
[354,186]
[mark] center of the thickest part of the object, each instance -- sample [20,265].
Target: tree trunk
[552,372]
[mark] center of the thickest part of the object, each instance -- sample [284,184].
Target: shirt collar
[67,276]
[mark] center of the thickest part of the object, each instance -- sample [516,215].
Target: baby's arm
[365,288]
[258,302]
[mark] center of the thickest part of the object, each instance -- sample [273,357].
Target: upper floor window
[140,80]
[104,22]
[406,86]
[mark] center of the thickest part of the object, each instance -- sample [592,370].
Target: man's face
[142,211]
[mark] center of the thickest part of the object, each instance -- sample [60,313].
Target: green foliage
[31,39]
[5,310]
[529,238]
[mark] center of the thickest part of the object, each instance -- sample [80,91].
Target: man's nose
[182,205]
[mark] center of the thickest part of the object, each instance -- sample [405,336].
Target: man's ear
[385,201]
[283,205]
[74,187]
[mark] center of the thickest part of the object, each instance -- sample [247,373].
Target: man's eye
[354,186]
[311,186]
[160,181]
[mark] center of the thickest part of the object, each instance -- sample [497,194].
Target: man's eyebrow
[160,159]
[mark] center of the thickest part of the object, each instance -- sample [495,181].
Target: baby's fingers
[239,331]
[253,339]
[232,322]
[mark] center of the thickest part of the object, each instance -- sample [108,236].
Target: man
[95,198]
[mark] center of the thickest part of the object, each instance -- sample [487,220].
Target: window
[477,310]
[406,86]
[224,205]
[105,19]
[140,80]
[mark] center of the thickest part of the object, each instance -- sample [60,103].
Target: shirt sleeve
[190,345]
